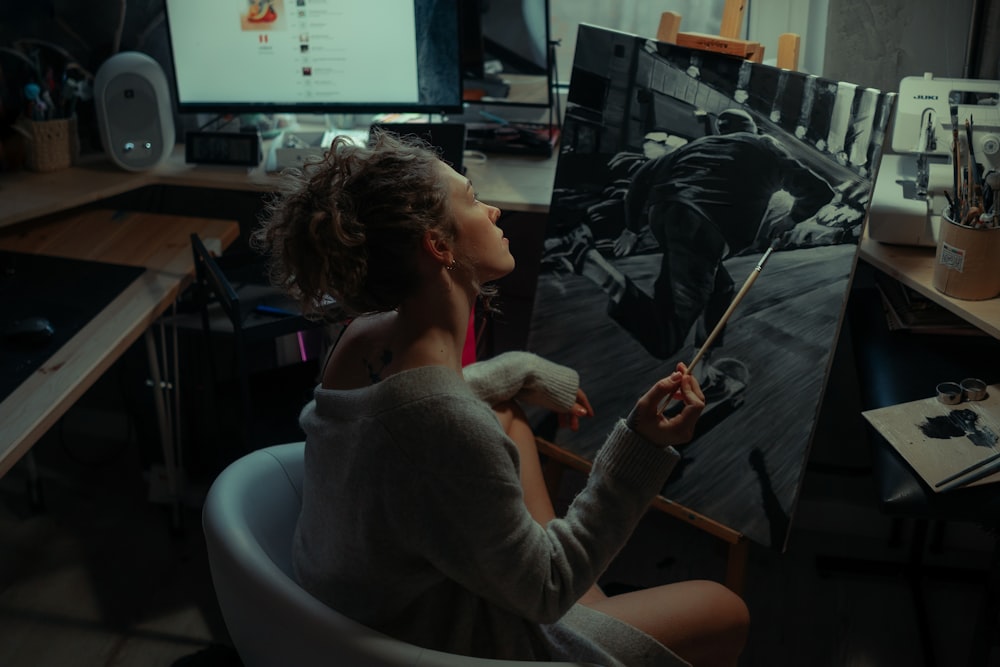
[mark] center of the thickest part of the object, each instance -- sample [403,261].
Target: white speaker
[134,115]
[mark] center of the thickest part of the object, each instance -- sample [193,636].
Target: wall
[638,17]
[873,43]
[876,43]
[767,20]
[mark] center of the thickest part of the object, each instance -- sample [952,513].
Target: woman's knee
[729,611]
[728,620]
[701,620]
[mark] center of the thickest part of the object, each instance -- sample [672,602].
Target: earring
[450,267]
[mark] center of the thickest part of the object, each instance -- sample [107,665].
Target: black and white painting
[678,170]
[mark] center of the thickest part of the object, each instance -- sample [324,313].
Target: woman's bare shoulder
[362,355]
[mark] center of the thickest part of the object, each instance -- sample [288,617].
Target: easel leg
[670,25]
[736,565]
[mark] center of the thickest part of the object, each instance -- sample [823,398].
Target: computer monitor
[447,138]
[315,56]
[514,65]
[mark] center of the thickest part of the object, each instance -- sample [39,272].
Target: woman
[424,511]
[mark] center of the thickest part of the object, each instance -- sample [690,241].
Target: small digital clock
[226,148]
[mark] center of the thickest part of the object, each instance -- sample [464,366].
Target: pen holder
[52,144]
[967,262]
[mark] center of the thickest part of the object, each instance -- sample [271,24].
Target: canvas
[677,170]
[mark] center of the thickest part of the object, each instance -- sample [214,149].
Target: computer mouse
[28,331]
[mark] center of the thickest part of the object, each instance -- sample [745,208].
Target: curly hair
[350,226]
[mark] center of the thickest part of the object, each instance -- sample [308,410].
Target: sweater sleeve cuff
[560,386]
[627,455]
[526,376]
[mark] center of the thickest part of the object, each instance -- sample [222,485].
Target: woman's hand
[581,408]
[647,418]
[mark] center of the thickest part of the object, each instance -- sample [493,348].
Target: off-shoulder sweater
[413,520]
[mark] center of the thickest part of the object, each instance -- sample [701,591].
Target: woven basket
[52,144]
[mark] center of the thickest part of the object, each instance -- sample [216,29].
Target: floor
[93,574]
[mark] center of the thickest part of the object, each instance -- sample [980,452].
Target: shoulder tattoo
[375,371]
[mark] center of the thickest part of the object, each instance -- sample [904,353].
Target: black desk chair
[897,367]
[255,310]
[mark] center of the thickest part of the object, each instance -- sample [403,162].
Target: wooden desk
[30,204]
[25,195]
[914,267]
[511,182]
[159,243]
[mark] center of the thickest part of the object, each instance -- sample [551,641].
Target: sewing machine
[910,190]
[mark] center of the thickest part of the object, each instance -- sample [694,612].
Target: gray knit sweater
[413,521]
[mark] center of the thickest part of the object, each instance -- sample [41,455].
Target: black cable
[216,119]
[212,120]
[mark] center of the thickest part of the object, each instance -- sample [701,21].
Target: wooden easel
[558,458]
[728,41]
[735,577]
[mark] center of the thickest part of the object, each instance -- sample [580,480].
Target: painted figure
[715,197]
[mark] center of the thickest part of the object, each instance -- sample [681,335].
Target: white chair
[248,518]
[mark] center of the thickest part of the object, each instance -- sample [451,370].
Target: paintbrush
[972,147]
[956,159]
[976,179]
[993,187]
[732,306]
[725,316]
[976,471]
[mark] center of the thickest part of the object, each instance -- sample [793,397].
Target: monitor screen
[321,56]
[513,66]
